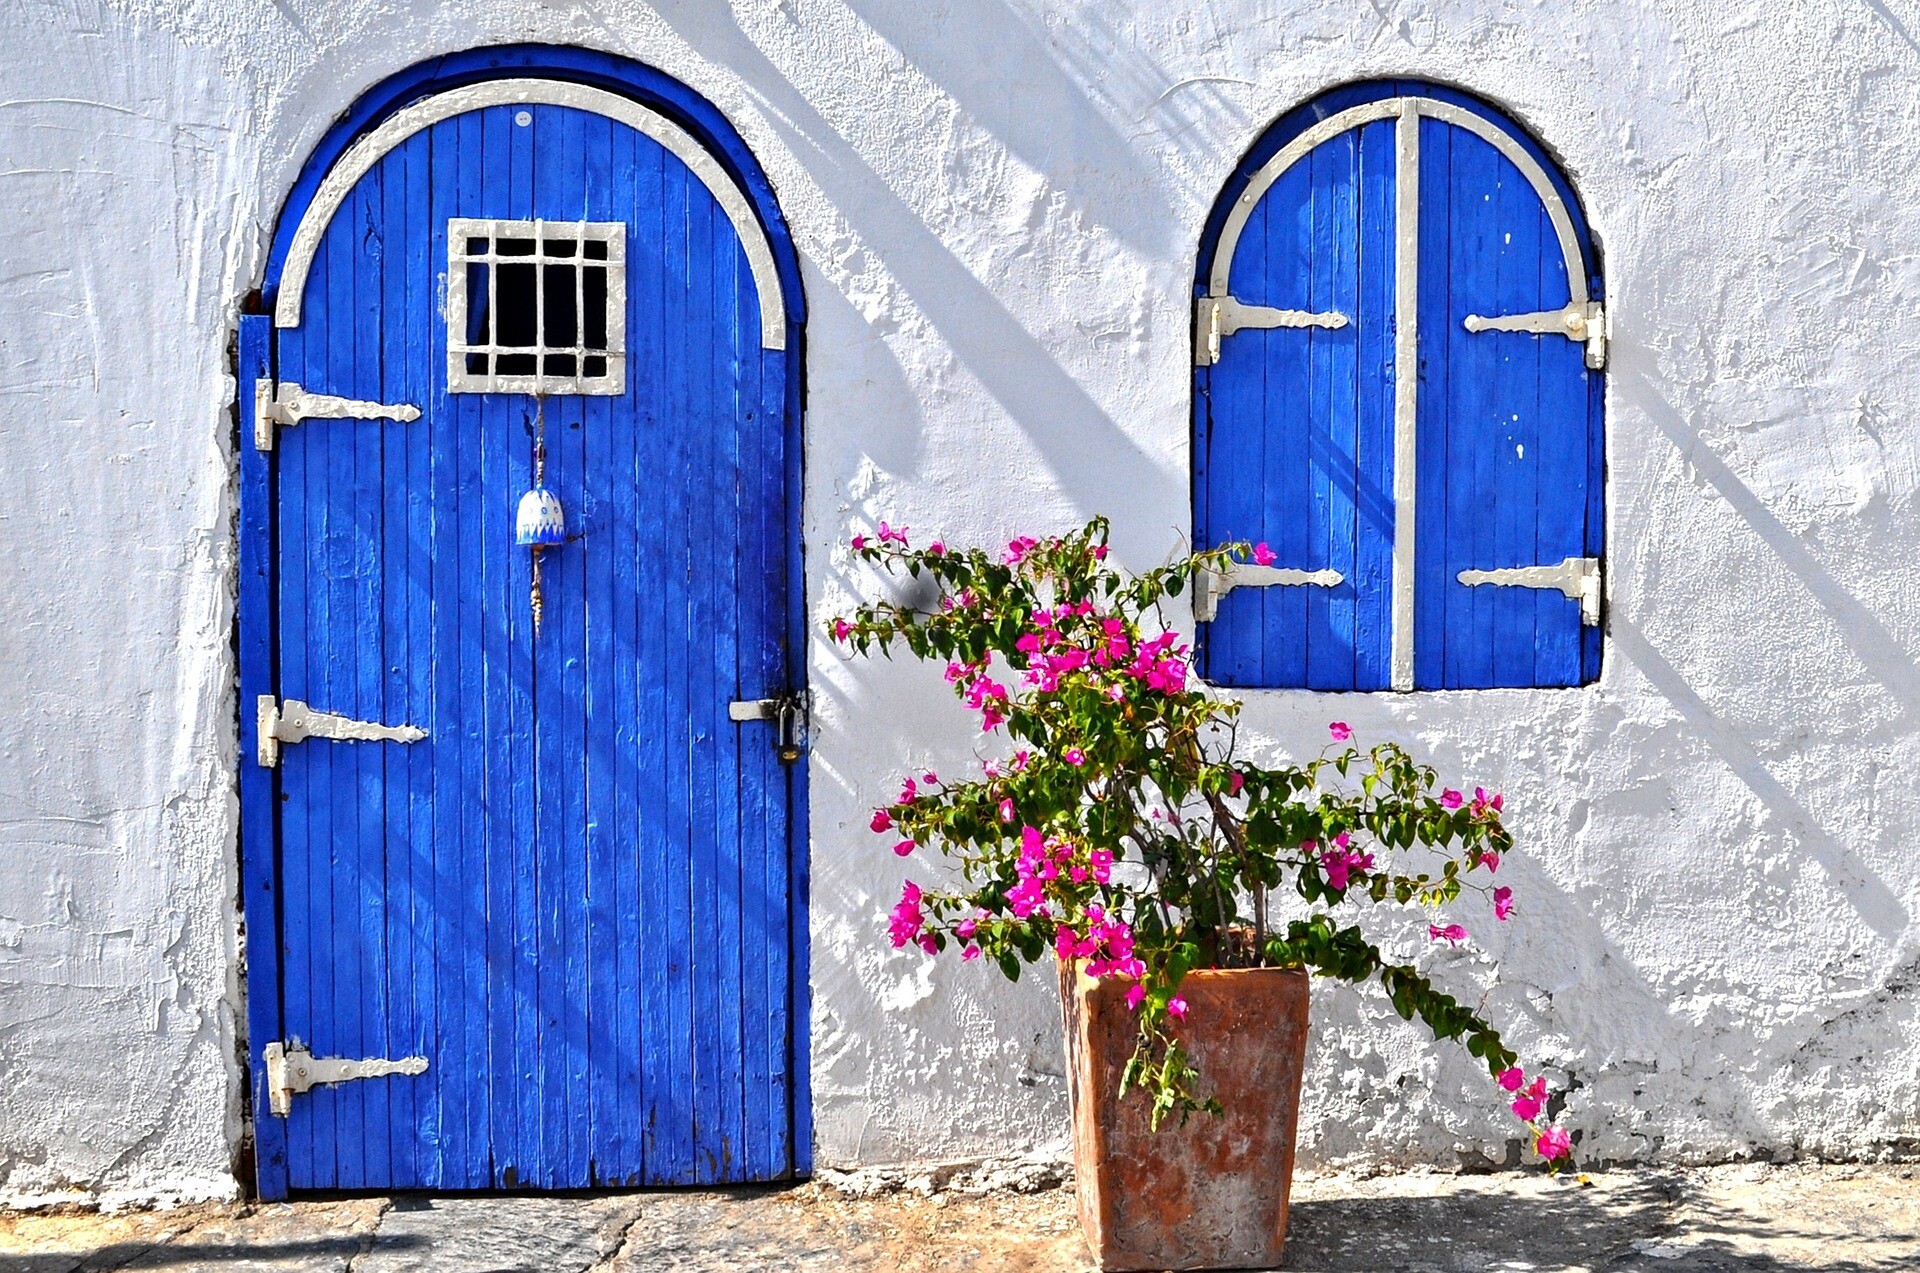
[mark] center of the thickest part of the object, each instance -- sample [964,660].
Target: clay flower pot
[1211,1194]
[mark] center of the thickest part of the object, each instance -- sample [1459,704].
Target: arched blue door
[1397,385]
[533,885]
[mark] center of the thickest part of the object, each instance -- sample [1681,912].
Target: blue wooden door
[572,896]
[1398,342]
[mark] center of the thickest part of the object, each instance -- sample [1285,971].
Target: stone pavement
[1754,1217]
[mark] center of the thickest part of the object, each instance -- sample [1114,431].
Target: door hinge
[295,722]
[789,715]
[1209,587]
[1576,577]
[292,1069]
[289,404]
[1584,322]
[1218,316]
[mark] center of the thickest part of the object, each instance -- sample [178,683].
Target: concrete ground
[1676,1221]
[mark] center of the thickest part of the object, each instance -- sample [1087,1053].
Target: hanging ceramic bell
[541,522]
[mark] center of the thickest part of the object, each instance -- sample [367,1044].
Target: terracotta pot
[1211,1194]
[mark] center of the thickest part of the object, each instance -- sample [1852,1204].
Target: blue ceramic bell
[541,522]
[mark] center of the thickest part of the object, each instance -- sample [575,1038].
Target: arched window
[1397,386]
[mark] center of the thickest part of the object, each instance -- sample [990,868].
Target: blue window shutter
[1298,426]
[1296,429]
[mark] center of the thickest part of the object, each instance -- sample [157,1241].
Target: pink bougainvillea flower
[935,549]
[1020,759]
[1099,552]
[1006,809]
[1502,902]
[1101,863]
[1235,782]
[1489,860]
[1018,548]
[1527,1105]
[1553,1143]
[1262,555]
[840,629]
[890,536]
[903,848]
[1074,756]
[1177,1007]
[931,778]
[929,943]
[859,542]
[1451,798]
[882,821]
[1343,839]
[906,921]
[1136,995]
[966,928]
[1452,933]
[1513,1078]
[971,952]
[1340,730]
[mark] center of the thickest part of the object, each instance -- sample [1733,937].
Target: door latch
[293,1069]
[789,716]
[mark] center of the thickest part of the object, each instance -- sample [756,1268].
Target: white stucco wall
[998,202]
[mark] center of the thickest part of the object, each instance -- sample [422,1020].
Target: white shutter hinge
[1209,587]
[295,722]
[1218,316]
[1576,577]
[289,404]
[292,1069]
[1583,322]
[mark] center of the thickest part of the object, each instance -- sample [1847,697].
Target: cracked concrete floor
[1749,1217]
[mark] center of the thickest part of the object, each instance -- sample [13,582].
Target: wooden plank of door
[1371,579]
[260,882]
[1513,433]
[1332,263]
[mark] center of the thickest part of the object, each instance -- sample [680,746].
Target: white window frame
[461,231]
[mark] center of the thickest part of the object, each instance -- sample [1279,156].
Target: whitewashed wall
[998,202]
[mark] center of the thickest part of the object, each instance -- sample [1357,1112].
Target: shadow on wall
[1064,422]
[1878,650]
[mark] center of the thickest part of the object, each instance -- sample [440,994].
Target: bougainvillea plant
[1125,831]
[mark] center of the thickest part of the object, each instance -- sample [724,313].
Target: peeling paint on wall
[998,203]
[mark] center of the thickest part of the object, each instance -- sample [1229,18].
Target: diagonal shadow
[1868,894]
[1056,412]
[1050,120]
[1878,649]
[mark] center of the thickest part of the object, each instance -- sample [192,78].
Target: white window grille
[536,306]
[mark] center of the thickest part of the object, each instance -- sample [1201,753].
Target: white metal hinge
[295,722]
[789,715]
[292,1069]
[1209,587]
[1586,322]
[1576,577]
[1218,316]
[290,404]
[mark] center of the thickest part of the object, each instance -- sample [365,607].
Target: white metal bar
[360,158]
[1406,382]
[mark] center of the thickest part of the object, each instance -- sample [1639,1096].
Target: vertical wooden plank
[679,731]
[513,847]
[1561,437]
[1332,259]
[259,852]
[654,266]
[1443,473]
[459,730]
[607,435]
[292,547]
[395,669]
[1372,575]
[1511,433]
[757,676]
